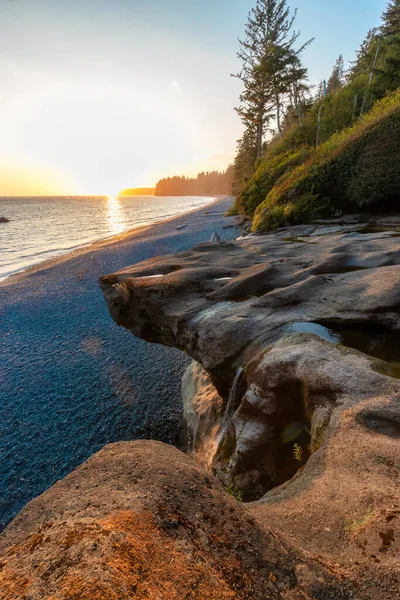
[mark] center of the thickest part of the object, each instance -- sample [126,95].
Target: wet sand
[70,379]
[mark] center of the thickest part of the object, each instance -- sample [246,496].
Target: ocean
[42,228]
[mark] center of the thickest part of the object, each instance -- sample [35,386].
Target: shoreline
[96,245]
[71,380]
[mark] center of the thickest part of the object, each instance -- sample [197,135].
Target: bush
[352,170]
[266,176]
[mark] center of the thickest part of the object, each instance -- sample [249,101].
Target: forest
[205,184]
[315,151]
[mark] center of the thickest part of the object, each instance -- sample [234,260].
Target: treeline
[286,120]
[137,192]
[205,184]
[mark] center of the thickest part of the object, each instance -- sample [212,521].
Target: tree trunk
[259,137]
[319,125]
[355,104]
[278,113]
[297,105]
[370,80]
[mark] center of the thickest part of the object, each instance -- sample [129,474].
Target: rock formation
[4,220]
[142,520]
[298,331]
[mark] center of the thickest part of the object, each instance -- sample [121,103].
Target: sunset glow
[94,99]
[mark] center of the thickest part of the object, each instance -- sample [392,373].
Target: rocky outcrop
[203,409]
[299,334]
[142,520]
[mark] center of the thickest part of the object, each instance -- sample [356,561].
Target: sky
[99,95]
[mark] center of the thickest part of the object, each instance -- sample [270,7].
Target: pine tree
[337,79]
[389,68]
[365,55]
[244,163]
[391,19]
[270,66]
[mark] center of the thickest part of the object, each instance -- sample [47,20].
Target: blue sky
[98,95]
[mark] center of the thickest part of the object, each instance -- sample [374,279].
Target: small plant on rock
[234,491]
[298,453]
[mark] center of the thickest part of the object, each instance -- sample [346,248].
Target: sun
[113,195]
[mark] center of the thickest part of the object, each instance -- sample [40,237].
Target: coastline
[71,380]
[96,245]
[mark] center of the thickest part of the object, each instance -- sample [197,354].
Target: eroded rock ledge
[298,332]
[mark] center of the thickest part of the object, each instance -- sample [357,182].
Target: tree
[244,163]
[270,66]
[337,79]
[391,19]
[273,78]
[365,55]
[389,68]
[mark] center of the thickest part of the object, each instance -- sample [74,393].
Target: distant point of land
[137,192]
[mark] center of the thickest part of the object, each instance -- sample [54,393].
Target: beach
[70,379]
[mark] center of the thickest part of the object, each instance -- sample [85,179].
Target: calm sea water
[41,228]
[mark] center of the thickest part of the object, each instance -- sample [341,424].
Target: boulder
[142,520]
[4,220]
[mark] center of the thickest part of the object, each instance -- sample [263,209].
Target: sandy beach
[70,379]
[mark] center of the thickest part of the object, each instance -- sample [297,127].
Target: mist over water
[42,228]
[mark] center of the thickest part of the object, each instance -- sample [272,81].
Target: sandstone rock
[142,520]
[299,333]
[202,410]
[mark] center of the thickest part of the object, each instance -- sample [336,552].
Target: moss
[387,369]
[271,169]
[306,209]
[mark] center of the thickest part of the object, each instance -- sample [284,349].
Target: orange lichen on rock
[148,523]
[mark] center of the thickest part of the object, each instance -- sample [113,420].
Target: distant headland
[211,183]
[137,192]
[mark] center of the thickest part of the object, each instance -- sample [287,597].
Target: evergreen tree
[391,20]
[389,66]
[365,55]
[337,79]
[319,95]
[244,163]
[270,66]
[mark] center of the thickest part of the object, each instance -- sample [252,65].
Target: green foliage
[327,157]
[336,80]
[298,453]
[266,176]
[234,491]
[353,169]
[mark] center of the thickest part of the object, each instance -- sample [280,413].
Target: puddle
[322,332]
[374,340]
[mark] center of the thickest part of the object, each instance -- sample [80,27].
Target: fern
[298,453]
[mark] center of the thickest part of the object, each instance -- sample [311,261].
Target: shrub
[353,169]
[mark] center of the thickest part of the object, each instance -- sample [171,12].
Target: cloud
[175,86]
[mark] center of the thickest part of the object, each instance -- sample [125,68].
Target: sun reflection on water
[115,217]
